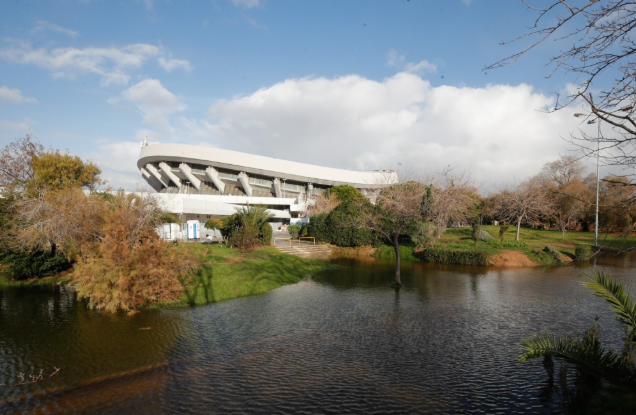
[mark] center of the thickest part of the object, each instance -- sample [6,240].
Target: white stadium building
[198,182]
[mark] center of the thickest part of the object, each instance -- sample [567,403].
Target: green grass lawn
[532,243]
[227,273]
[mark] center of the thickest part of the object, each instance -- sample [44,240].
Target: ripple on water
[343,342]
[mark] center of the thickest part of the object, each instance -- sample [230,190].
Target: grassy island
[536,247]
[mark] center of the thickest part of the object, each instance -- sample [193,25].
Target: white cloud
[14,96]
[112,64]
[393,58]
[155,103]
[43,25]
[246,3]
[22,127]
[421,67]
[353,122]
[118,162]
[171,64]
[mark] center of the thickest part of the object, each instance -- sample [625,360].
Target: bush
[38,264]
[583,252]
[424,233]
[443,256]
[341,232]
[294,230]
[317,227]
[245,238]
[553,252]
[266,234]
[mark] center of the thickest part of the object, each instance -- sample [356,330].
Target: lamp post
[598,151]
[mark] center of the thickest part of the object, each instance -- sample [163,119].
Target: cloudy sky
[352,84]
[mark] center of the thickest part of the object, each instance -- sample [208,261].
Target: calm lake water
[342,342]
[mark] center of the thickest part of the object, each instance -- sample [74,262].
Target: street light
[598,147]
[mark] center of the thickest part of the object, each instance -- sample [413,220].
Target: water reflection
[344,341]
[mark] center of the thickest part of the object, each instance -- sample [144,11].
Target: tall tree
[570,196]
[522,202]
[54,170]
[397,209]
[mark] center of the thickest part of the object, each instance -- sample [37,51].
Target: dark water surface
[343,342]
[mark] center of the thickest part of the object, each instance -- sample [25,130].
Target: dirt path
[510,259]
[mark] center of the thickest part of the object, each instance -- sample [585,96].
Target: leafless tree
[598,44]
[570,197]
[524,201]
[453,197]
[323,203]
[16,161]
[63,220]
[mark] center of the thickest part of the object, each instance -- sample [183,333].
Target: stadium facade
[199,182]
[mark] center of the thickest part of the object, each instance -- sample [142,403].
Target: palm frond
[621,302]
[590,358]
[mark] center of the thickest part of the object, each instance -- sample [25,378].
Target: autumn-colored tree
[131,266]
[54,170]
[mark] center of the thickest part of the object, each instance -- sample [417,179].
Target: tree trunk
[518,227]
[396,246]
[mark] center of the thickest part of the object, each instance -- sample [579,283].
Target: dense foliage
[246,229]
[24,265]
[454,257]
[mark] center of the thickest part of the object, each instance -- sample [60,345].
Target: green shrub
[294,230]
[553,252]
[443,256]
[341,231]
[583,252]
[38,264]
[348,193]
[424,233]
[317,227]
[266,234]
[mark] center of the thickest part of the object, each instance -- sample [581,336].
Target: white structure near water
[199,183]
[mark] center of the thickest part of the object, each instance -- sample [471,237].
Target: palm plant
[254,216]
[588,355]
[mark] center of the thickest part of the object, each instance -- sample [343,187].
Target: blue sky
[350,84]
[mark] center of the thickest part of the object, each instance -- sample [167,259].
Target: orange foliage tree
[131,266]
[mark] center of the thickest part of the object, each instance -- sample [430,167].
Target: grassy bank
[228,273]
[457,247]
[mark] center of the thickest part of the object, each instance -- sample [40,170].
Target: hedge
[443,256]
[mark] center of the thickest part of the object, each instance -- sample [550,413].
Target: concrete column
[213,175]
[155,173]
[168,172]
[152,180]
[187,172]
[277,190]
[245,182]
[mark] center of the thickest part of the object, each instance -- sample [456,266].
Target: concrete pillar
[277,190]
[187,172]
[245,182]
[152,170]
[213,175]
[152,180]
[168,172]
